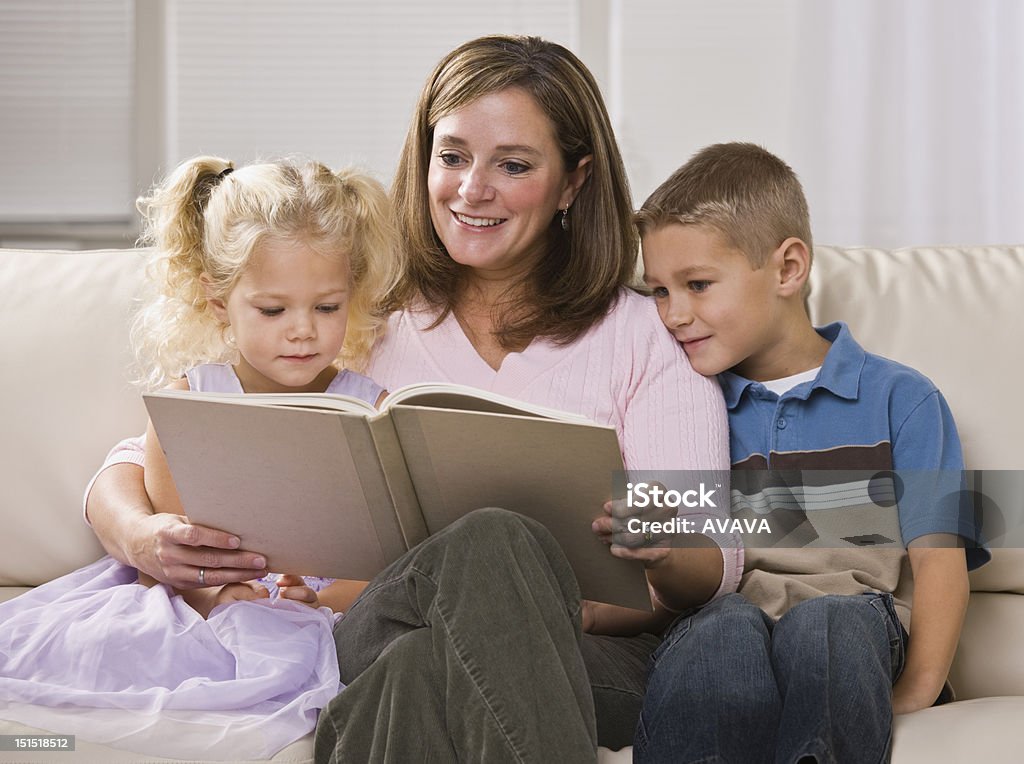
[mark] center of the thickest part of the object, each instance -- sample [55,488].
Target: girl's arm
[163,498]
[601,618]
[206,599]
[159,484]
[340,595]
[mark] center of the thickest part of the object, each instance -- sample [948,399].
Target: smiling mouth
[478,222]
[694,342]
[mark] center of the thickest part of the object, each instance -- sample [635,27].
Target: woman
[516,216]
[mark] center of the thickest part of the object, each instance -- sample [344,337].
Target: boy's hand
[941,592]
[291,587]
[683,569]
[909,695]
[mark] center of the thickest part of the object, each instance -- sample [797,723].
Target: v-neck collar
[517,369]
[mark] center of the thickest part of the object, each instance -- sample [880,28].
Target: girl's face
[496,182]
[288,313]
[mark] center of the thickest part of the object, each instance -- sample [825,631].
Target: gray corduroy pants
[468,648]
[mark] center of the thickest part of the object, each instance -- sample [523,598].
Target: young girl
[268,285]
[267,278]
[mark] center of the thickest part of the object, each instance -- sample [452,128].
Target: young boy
[809,660]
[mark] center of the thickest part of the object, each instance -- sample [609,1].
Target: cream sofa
[955,313]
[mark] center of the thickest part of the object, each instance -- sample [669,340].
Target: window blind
[66,99]
[335,80]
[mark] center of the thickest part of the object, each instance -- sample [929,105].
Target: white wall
[690,72]
[904,118]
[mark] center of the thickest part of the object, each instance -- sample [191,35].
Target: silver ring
[202,576]
[648,537]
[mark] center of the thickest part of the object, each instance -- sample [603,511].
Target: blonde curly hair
[208,218]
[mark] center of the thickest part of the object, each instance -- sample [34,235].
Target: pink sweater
[626,372]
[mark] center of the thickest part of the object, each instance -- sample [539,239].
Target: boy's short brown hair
[746,193]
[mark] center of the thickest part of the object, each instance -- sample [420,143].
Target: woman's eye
[514,168]
[328,308]
[698,286]
[270,311]
[450,160]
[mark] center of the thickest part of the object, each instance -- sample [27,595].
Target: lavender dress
[97,655]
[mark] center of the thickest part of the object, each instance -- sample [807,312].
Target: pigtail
[174,330]
[205,225]
[374,263]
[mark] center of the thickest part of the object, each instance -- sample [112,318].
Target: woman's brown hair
[579,277]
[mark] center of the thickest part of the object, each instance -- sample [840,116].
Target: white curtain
[909,121]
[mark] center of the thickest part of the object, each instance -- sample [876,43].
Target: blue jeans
[728,684]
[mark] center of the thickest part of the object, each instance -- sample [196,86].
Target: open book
[328,485]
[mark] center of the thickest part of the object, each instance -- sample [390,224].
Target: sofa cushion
[1005,573]
[955,314]
[988,658]
[972,731]
[63,328]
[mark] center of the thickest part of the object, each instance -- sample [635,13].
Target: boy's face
[720,309]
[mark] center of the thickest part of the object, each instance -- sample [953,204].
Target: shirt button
[781,423]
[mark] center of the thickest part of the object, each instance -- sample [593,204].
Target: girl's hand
[206,599]
[292,587]
[240,592]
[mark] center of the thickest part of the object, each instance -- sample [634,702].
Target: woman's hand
[292,587]
[171,550]
[613,529]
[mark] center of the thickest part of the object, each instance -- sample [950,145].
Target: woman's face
[496,181]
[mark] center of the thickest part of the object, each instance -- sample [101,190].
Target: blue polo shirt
[861,412]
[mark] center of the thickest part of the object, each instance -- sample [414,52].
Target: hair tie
[225,172]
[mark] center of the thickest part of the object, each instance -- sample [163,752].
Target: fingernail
[234,542]
[259,562]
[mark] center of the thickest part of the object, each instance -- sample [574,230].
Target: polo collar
[840,372]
